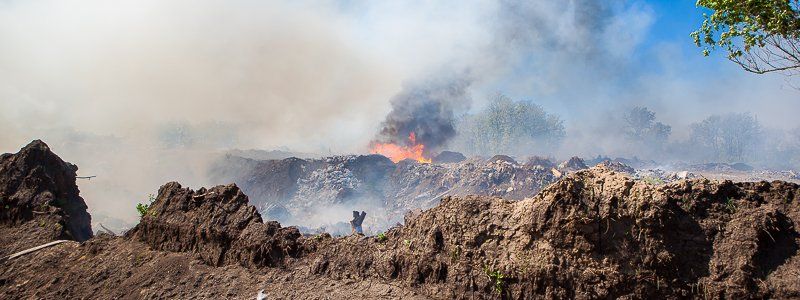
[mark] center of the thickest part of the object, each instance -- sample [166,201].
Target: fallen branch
[31,250]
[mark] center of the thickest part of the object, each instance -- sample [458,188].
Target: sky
[140,92]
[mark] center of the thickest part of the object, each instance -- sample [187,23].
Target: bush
[143,209]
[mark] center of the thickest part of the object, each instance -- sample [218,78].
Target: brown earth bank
[595,233]
[39,200]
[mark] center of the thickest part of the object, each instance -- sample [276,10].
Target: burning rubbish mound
[39,200]
[317,192]
[596,233]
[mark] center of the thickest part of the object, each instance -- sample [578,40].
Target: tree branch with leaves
[761,36]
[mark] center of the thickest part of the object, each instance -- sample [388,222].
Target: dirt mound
[446,157]
[595,234]
[39,198]
[218,225]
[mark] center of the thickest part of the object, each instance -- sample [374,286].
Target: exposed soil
[39,199]
[595,233]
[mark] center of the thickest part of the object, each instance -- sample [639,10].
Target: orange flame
[397,152]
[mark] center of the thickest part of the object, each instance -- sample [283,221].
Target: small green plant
[497,278]
[730,205]
[318,237]
[455,254]
[407,242]
[143,209]
[381,237]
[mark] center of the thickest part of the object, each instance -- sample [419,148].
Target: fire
[397,152]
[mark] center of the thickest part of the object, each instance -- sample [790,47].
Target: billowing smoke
[427,110]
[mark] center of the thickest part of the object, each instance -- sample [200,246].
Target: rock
[36,186]
[217,225]
[446,157]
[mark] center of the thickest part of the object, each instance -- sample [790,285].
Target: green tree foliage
[760,35]
[640,126]
[731,137]
[510,127]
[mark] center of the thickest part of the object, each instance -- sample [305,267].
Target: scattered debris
[296,191]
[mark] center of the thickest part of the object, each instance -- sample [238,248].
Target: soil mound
[217,225]
[39,199]
[595,234]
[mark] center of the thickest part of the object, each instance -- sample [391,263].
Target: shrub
[143,209]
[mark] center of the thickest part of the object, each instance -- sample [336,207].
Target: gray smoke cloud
[428,110]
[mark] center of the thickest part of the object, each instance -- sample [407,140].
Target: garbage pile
[314,193]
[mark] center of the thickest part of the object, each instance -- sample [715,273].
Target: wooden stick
[34,249]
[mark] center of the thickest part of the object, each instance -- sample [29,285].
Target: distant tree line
[521,128]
